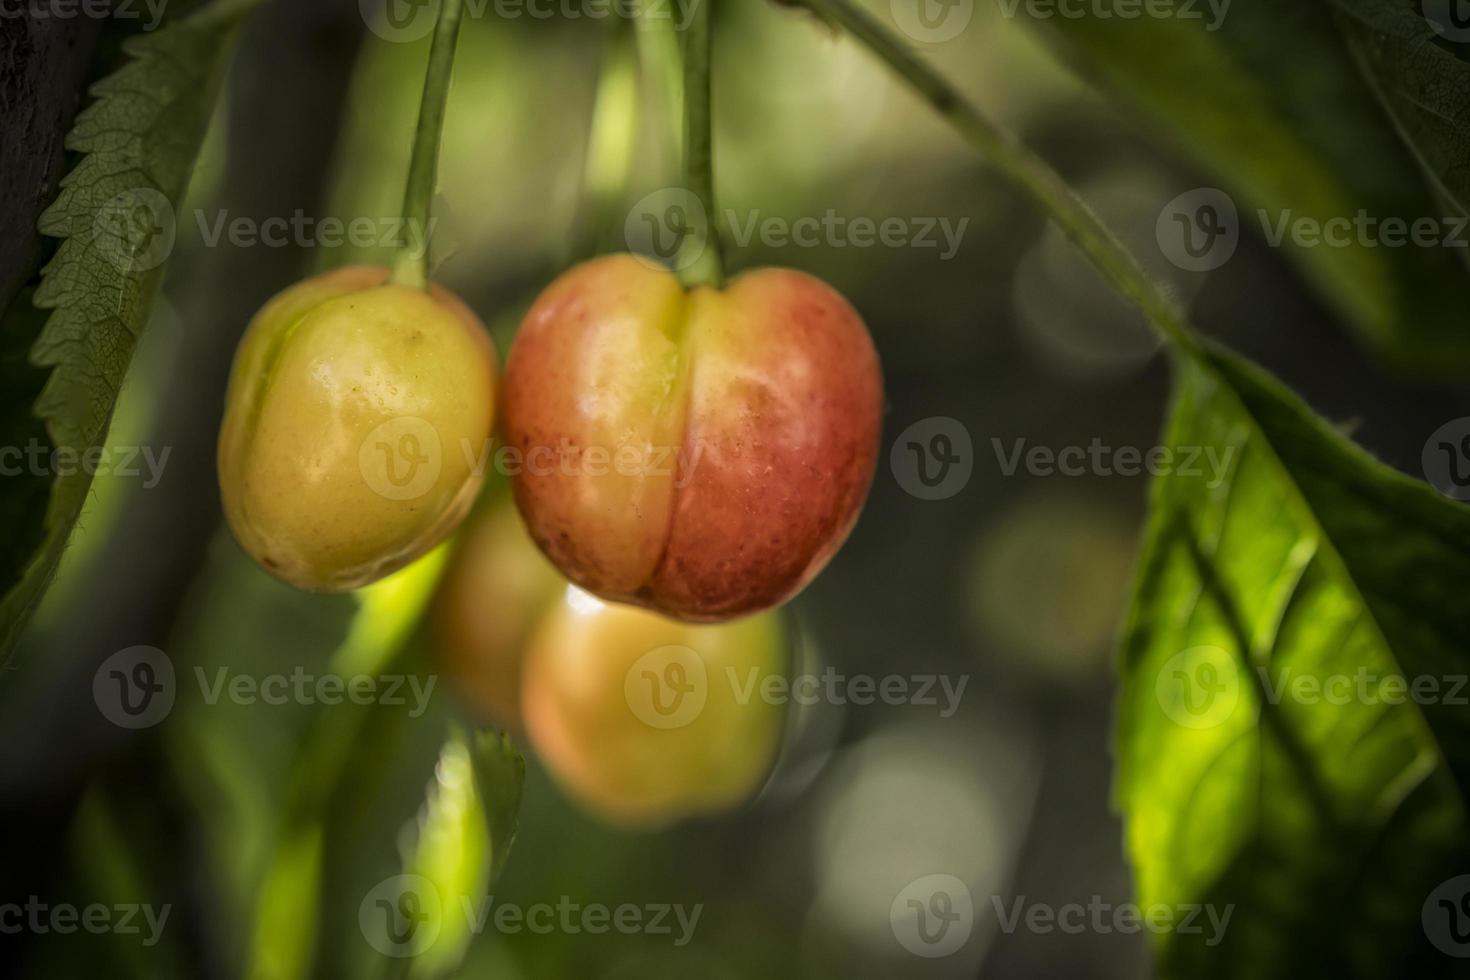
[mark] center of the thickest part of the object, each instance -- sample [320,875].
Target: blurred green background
[1017,582]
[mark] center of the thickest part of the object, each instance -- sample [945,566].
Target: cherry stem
[1025,170]
[700,259]
[411,265]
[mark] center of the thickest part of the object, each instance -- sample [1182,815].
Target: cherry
[646,719]
[495,590]
[355,411]
[699,452]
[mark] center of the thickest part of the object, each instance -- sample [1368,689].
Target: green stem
[701,261]
[1028,172]
[411,266]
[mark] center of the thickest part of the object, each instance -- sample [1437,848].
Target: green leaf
[115,216]
[1422,83]
[500,775]
[459,846]
[1271,763]
[1269,102]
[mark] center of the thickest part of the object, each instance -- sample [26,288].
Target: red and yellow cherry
[700,452]
[356,411]
[647,720]
[496,588]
